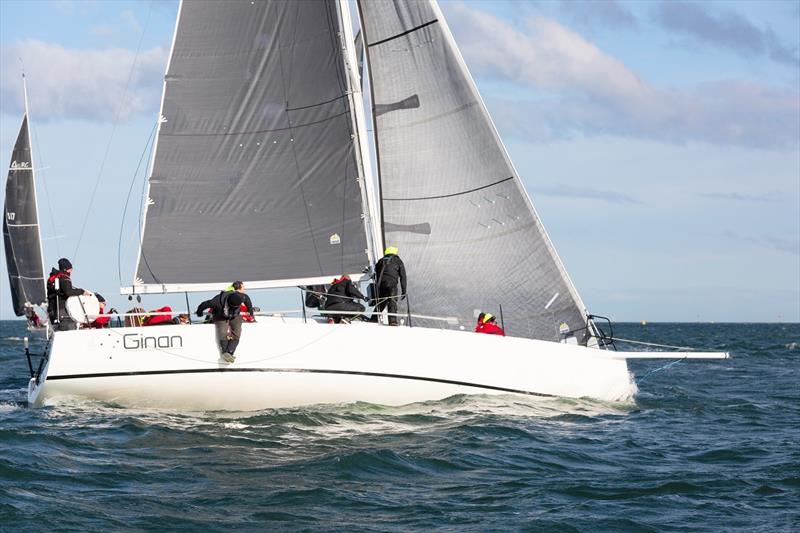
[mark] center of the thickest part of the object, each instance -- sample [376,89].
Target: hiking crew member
[159,320]
[59,288]
[340,298]
[486,324]
[225,313]
[388,271]
[101,321]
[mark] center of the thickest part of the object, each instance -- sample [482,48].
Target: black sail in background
[452,202]
[254,175]
[21,228]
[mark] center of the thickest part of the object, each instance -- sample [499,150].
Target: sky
[659,141]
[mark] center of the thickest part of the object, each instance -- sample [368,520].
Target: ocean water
[706,446]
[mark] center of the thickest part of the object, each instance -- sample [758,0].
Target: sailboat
[262,173]
[21,234]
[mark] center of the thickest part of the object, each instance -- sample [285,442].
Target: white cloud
[80,83]
[548,56]
[724,28]
[588,92]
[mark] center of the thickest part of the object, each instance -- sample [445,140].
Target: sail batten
[255,174]
[21,233]
[451,199]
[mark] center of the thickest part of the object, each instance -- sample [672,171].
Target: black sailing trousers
[387,297]
[228,333]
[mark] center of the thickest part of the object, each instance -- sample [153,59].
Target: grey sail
[21,228]
[451,200]
[254,175]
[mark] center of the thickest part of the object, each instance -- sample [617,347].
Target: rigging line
[128,199]
[113,131]
[143,200]
[449,195]
[434,21]
[659,369]
[44,184]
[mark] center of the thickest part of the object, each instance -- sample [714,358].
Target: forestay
[452,201]
[21,228]
[254,175]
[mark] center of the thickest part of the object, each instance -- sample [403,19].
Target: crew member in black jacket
[225,312]
[340,298]
[388,271]
[59,288]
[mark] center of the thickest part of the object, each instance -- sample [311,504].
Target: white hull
[284,362]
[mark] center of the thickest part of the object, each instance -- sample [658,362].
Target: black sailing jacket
[57,299]
[230,299]
[344,291]
[388,270]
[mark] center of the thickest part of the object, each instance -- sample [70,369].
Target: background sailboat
[21,233]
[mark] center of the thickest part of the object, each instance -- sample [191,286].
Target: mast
[365,180]
[33,179]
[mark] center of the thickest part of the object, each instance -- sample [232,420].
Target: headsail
[452,201]
[21,228]
[255,174]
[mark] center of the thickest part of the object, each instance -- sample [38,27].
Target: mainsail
[255,174]
[451,200]
[21,228]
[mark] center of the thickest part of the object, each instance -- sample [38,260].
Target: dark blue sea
[706,446]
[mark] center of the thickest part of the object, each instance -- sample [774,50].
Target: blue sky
[660,141]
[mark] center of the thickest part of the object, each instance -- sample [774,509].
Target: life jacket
[489,328]
[52,294]
[55,274]
[246,317]
[101,321]
[158,319]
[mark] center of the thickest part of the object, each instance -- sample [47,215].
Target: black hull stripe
[294,370]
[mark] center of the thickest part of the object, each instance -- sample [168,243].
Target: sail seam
[229,133]
[404,33]
[449,195]
[316,105]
